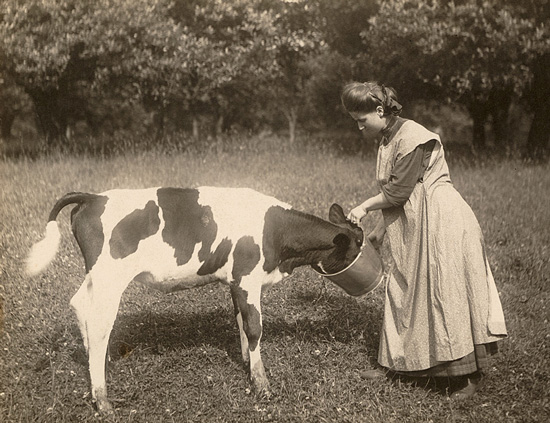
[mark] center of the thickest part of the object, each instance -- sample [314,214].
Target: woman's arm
[374,203]
[406,173]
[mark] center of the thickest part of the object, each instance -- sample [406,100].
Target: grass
[176,358]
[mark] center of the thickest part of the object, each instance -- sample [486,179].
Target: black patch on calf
[252,320]
[88,230]
[289,239]
[187,223]
[292,239]
[208,233]
[137,226]
[217,259]
[245,257]
[271,240]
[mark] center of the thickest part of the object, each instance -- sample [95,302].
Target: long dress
[441,299]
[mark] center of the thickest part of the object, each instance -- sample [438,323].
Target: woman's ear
[380,111]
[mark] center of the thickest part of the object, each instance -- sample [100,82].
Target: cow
[178,238]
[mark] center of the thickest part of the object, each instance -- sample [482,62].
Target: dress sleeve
[406,172]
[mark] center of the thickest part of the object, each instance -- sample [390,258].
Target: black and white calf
[175,238]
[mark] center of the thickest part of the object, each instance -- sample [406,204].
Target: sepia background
[108,94]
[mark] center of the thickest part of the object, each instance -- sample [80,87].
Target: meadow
[176,357]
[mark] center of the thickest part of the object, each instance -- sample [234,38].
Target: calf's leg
[80,305]
[249,319]
[96,304]
[239,317]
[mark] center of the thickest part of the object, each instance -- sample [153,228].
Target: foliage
[39,38]
[235,41]
[329,71]
[343,22]
[132,44]
[298,40]
[244,63]
[13,102]
[464,51]
[476,53]
[43,43]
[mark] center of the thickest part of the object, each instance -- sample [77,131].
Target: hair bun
[393,106]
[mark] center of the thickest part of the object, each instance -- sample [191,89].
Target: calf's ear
[336,214]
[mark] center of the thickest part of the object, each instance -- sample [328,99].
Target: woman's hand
[376,237]
[374,203]
[356,214]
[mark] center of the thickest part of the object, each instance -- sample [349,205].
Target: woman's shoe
[372,374]
[471,386]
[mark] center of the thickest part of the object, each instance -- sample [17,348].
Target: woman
[442,314]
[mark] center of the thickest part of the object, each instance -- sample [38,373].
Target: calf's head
[347,240]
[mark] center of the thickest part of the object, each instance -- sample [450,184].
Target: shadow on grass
[343,321]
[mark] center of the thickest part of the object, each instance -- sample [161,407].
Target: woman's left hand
[376,236]
[356,214]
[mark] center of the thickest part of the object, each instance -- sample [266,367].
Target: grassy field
[176,358]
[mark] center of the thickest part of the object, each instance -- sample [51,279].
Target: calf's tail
[44,251]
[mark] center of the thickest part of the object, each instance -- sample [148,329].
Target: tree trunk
[479,140]
[479,113]
[158,121]
[500,107]
[219,125]
[50,122]
[291,115]
[539,133]
[196,130]
[6,122]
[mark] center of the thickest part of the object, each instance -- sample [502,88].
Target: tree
[44,47]
[170,56]
[538,96]
[13,102]
[343,21]
[329,71]
[231,54]
[298,39]
[539,133]
[475,53]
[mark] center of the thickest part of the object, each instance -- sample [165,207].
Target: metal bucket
[362,275]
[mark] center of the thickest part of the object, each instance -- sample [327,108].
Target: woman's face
[370,124]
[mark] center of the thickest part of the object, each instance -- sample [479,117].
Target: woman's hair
[365,97]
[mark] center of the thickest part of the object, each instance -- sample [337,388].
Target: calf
[175,238]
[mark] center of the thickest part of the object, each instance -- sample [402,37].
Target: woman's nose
[361,126]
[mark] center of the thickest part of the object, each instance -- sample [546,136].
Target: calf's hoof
[262,390]
[104,407]
[264,393]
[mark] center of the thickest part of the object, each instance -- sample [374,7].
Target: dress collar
[386,132]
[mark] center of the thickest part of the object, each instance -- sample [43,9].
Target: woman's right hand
[356,214]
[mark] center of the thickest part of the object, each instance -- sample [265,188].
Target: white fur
[238,211]
[43,252]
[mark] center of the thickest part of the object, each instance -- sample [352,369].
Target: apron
[441,297]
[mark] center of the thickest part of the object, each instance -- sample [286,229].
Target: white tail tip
[43,252]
